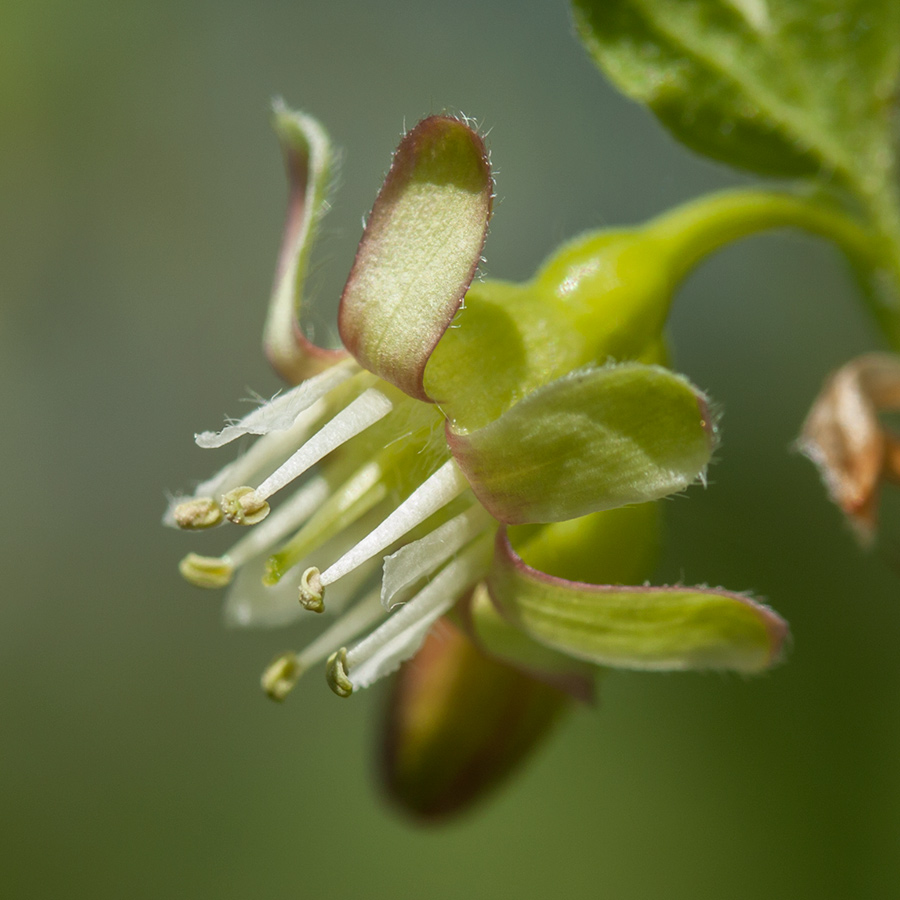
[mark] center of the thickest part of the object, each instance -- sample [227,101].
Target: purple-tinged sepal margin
[309,159]
[650,628]
[419,252]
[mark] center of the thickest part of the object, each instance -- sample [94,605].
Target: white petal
[415,560]
[402,634]
[280,413]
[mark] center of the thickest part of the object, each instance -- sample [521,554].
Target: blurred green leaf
[780,87]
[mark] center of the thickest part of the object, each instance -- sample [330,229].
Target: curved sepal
[309,160]
[495,635]
[592,440]
[419,251]
[652,628]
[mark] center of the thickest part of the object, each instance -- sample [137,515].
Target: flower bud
[458,724]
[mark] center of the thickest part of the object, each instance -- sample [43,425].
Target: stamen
[356,620]
[311,592]
[284,672]
[447,483]
[206,571]
[251,604]
[281,675]
[243,506]
[364,411]
[336,673]
[289,516]
[402,634]
[212,572]
[350,502]
[413,561]
[266,453]
[201,512]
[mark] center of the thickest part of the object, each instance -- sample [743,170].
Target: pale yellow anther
[312,592]
[206,571]
[336,673]
[201,512]
[243,507]
[282,674]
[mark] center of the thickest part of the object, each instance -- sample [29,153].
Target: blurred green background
[141,197]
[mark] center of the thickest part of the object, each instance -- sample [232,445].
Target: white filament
[363,412]
[435,492]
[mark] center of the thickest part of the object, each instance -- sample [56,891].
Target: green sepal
[419,251]
[499,638]
[309,160]
[601,296]
[592,440]
[651,628]
[616,546]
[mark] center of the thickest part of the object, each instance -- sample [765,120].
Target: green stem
[701,227]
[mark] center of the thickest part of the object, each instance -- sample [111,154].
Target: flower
[846,440]
[500,442]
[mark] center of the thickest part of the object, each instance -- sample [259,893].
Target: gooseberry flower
[479,449]
[845,438]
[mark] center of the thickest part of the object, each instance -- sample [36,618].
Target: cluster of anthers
[429,470]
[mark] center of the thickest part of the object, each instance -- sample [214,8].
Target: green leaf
[309,160]
[780,87]
[659,628]
[419,251]
[592,440]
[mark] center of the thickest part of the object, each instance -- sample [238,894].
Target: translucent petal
[281,412]
[419,558]
[402,634]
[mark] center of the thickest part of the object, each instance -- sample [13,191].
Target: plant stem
[701,227]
